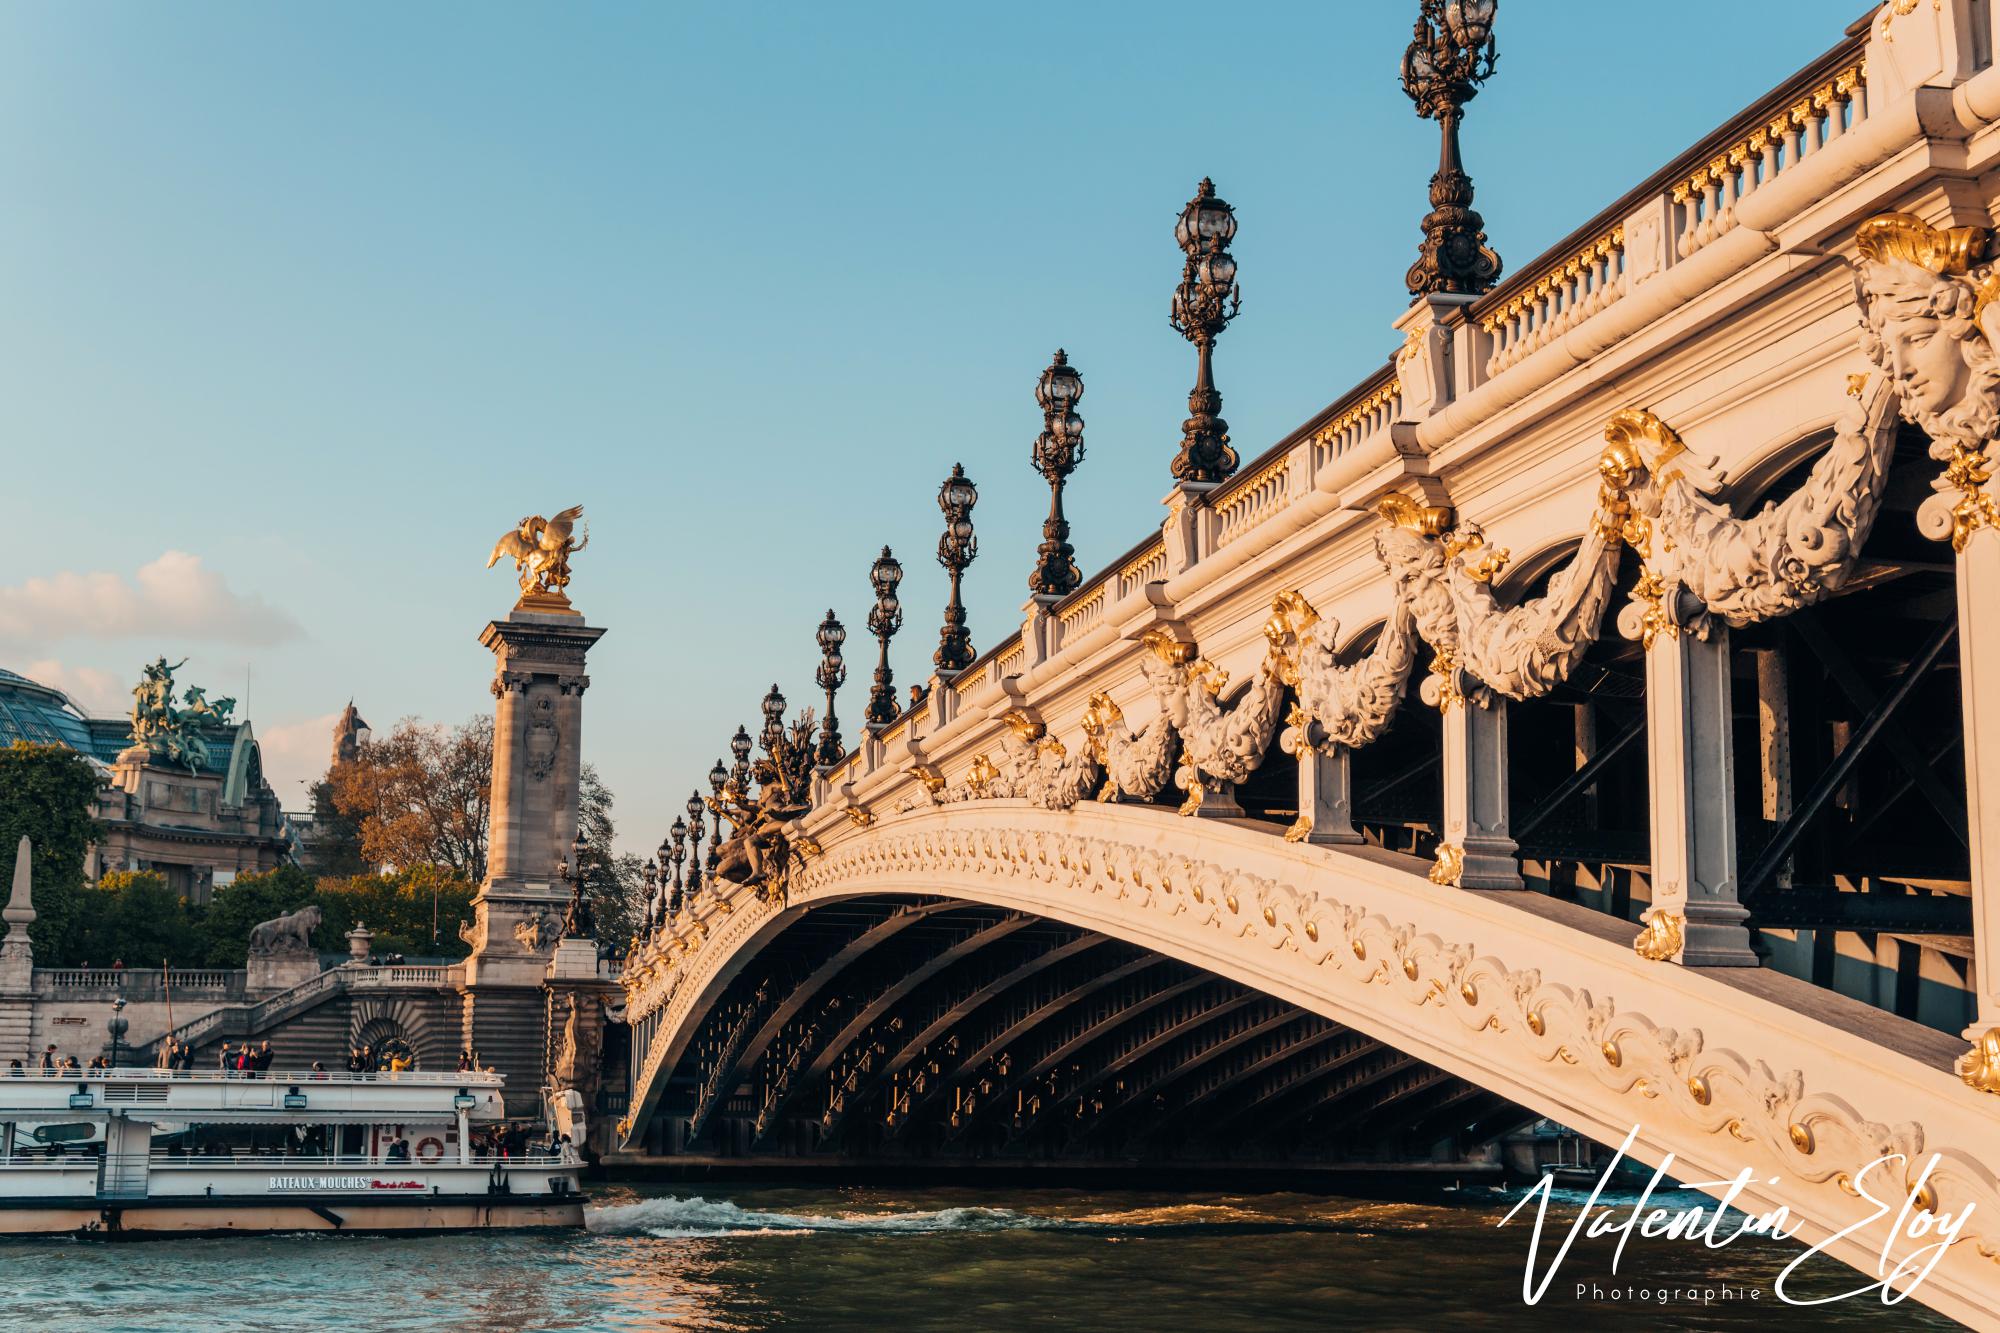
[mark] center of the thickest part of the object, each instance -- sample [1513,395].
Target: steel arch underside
[1534,1001]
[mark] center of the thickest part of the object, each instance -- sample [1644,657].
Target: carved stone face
[1922,329]
[1927,364]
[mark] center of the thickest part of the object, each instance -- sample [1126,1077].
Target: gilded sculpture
[540,549]
[1928,323]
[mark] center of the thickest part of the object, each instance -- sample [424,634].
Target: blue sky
[301,307]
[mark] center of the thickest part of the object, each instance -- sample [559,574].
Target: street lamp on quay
[1450,55]
[884,619]
[957,548]
[1204,303]
[1058,449]
[832,674]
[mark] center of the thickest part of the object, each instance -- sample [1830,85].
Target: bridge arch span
[1542,1002]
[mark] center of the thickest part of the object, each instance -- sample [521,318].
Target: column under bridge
[1587,715]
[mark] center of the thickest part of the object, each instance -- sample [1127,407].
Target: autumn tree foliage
[422,796]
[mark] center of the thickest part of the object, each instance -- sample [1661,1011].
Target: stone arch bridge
[1587,715]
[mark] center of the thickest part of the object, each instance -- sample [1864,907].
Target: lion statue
[291,933]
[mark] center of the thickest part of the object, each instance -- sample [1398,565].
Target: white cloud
[294,753]
[174,597]
[92,690]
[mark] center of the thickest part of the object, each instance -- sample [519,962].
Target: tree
[46,792]
[614,882]
[399,908]
[334,847]
[236,908]
[131,916]
[422,796]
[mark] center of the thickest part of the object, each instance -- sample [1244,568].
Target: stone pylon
[17,955]
[17,959]
[538,684]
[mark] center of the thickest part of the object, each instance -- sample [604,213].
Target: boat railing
[252,1159]
[149,1074]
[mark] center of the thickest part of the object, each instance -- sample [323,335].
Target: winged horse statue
[540,549]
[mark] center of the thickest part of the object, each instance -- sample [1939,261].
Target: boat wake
[673,1217]
[676,1217]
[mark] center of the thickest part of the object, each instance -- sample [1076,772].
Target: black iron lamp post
[717,776]
[1058,449]
[1204,303]
[678,836]
[739,748]
[956,549]
[773,734]
[694,809]
[1451,54]
[573,871]
[832,674]
[884,619]
[650,876]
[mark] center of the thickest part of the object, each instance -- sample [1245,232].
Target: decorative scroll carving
[1525,651]
[1138,763]
[1346,705]
[1409,551]
[1928,322]
[1701,562]
[1229,743]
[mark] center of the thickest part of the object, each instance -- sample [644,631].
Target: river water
[907,1260]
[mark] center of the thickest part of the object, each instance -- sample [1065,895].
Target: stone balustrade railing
[1705,202]
[138,982]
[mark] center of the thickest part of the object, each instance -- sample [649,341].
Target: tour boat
[127,1152]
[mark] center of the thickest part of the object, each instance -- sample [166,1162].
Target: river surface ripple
[715,1257]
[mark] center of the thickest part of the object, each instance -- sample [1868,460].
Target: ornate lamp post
[1451,54]
[694,809]
[651,878]
[956,549]
[739,748]
[716,777]
[773,733]
[884,619]
[678,836]
[1204,303]
[577,923]
[832,674]
[1058,449]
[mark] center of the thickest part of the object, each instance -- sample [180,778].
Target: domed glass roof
[39,715]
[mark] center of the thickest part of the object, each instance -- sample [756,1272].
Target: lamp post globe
[957,548]
[830,676]
[1206,300]
[1058,449]
[1451,52]
[884,619]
